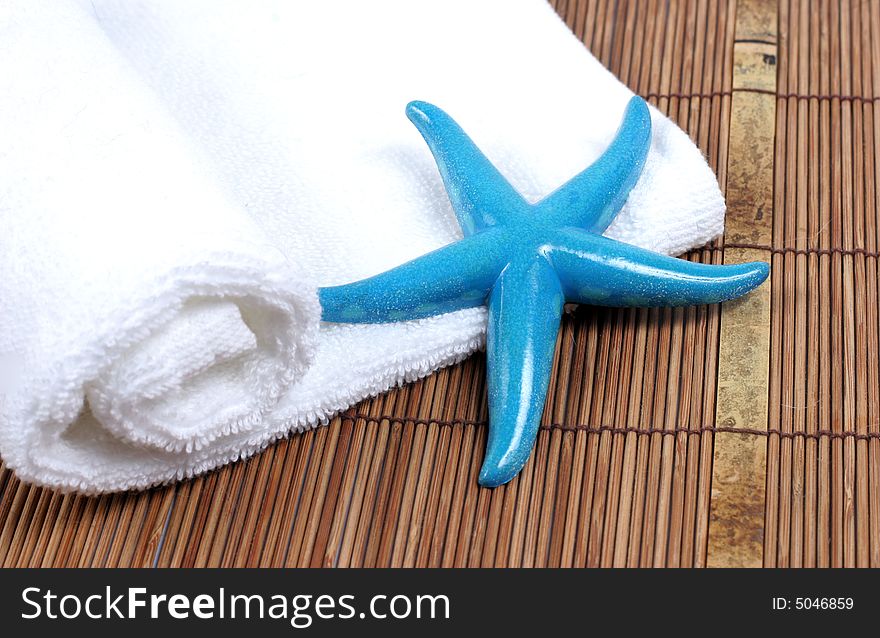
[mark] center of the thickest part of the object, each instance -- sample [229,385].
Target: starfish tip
[489,478]
[637,109]
[746,277]
[762,268]
[419,110]
[637,102]
[755,273]
[494,473]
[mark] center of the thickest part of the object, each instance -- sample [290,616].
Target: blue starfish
[525,260]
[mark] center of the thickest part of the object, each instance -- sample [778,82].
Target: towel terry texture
[177,178]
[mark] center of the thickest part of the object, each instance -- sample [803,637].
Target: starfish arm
[524,312]
[592,198]
[478,191]
[603,272]
[453,277]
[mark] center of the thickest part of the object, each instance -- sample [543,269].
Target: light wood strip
[738,481]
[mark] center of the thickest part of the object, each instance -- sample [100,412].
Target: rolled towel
[178,178]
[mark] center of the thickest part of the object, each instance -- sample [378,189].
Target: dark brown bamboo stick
[872,195]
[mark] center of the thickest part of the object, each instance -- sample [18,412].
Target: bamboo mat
[687,437]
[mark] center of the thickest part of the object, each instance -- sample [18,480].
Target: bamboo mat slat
[740,464]
[638,462]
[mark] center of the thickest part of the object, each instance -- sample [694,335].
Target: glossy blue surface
[527,260]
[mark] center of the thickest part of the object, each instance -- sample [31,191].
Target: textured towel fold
[179,177]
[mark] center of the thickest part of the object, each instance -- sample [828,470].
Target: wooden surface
[635,464]
[736,528]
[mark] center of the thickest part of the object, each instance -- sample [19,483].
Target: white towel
[177,178]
